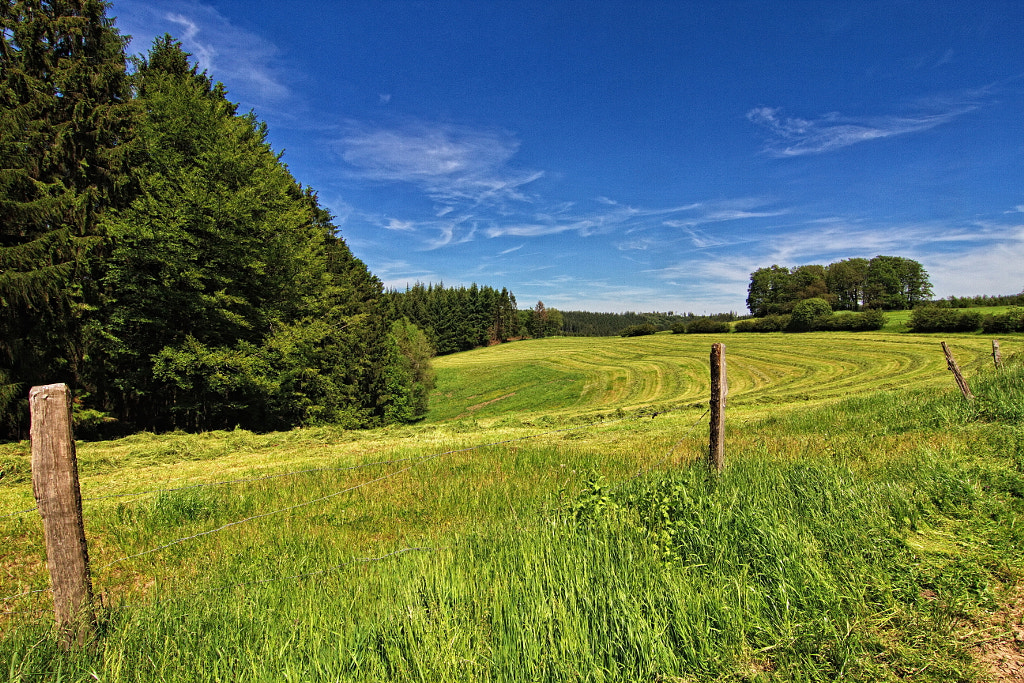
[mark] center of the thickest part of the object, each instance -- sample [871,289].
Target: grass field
[550,520]
[569,377]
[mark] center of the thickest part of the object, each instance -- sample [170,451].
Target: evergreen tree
[458,319]
[66,123]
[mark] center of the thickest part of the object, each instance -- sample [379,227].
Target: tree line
[462,318]
[979,301]
[157,256]
[458,318]
[587,324]
[883,282]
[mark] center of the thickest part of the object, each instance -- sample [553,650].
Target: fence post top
[59,388]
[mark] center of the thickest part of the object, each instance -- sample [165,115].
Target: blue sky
[636,155]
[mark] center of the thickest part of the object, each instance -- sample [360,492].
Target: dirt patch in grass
[1002,655]
[478,406]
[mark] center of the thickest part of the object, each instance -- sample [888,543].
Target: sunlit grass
[854,534]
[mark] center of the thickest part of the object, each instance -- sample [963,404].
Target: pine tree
[66,123]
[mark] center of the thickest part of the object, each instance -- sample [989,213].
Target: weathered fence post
[719,390]
[957,375]
[55,484]
[997,357]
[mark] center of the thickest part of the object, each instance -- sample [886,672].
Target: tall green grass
[863,540]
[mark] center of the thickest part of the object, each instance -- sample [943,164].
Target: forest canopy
[157,256]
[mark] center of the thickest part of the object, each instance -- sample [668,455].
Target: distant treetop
[884,282]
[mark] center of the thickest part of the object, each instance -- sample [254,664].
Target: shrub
[639,330]
[934,319]
[810,314]
[1011,321]
[678,328]
[856,322]
[707,326]
[769,323]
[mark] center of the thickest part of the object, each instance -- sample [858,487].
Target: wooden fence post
[957,375]
[719,390]
[55,485]
[996,356]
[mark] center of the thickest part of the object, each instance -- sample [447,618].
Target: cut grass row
[564,377]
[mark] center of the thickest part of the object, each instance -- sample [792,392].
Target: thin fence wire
[332,495]
[20,512]
[305,575]
[21,595]
[415,462]
[243,480]
[225,482]
[25,611]
[671,451]
[272,476]
[243,584]
[250,518]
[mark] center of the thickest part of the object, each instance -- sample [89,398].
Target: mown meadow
[552,519]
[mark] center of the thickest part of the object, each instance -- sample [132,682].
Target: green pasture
[552,520]
[569,377]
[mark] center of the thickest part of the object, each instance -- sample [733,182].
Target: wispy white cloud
[397,273]
[583,227]
[791,136]
[822,240]
[453,165]
[400,226]
[568,217]
[709,285]
[721,216]
[245,61]
[450,234]
[990,268]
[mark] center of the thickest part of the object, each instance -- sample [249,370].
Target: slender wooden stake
[719,391]
[996,356]
[55,484]
[957,375]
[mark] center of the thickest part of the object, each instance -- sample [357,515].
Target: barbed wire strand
[349,489]
[278,475]
[664,459]
[226,481]
[25,611]
[245,479]
[304,575]
[21,595]
[231,524]
[333,495]
[20,512]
